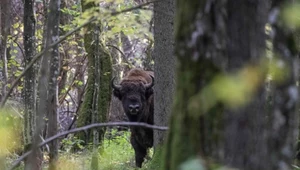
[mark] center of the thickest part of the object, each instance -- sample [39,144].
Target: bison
[136,94]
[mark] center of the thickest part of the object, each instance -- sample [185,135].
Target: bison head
[133,95]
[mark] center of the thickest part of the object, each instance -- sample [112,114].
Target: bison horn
[113,85]
[150,85]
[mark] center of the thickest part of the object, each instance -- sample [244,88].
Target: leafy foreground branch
[96,125]
[40,54]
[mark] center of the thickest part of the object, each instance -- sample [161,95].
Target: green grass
[117,154]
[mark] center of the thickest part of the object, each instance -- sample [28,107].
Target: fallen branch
[40,54]
[96,125]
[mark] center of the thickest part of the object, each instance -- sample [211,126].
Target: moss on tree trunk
[195,129]
[206,32]
[192,131]
[104,96]
[87,107]
[96,101]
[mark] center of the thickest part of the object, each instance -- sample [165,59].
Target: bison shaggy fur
[136,94]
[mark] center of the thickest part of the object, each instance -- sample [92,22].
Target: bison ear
[149,92]
[117,93]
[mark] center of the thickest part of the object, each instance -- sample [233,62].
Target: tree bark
[199,40]
[164,65]
[88,106]
[65,57]
[207,127]
[30,77]
[247,128]
[53,34]
[104,93]
[95,106]
[47,90]
[284,137]
[5,25]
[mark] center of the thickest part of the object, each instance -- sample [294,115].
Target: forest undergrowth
[117,154]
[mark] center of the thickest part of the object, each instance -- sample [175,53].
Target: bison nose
[134,107]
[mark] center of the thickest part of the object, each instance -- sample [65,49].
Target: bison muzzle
[136,94]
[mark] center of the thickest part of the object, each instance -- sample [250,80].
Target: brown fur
[133,83]
[138,75]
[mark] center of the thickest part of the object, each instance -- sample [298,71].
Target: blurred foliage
[133,23]
[295,167]
[11,136]
[193,164]
[291,15]
[237,89]
[71,142]
[11,132]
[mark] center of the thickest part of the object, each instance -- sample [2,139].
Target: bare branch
[39,55]
[122,54]
[96,125]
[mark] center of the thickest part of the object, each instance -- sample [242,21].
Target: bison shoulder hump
[139,75]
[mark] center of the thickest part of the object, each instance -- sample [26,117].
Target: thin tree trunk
[47,89]
[30,77]
[80,67]
[64,20]
[53,30]
[96,135]
[104,95]
[5,19]
[116,109]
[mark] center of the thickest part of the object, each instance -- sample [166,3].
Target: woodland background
[226,82]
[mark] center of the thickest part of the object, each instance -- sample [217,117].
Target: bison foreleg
[140,152]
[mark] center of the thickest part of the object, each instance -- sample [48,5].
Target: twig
[77,110]
[120,51]
[40,54]
[96,125]
[122,54]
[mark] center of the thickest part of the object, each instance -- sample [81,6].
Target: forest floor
[117,154]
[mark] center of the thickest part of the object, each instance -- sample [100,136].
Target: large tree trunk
[95,106]
[164,65]
[250,131]
[194,130]
[258,130]
[247,128]
[88,106]
[30,77]
[97,97]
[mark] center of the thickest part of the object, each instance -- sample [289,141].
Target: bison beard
[136,94]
